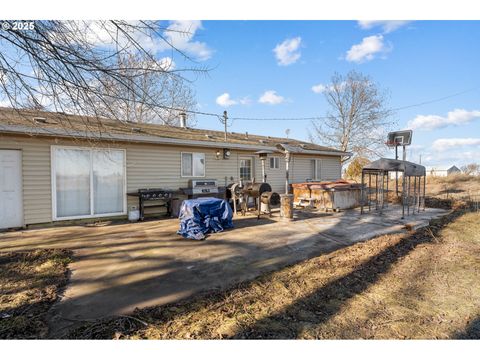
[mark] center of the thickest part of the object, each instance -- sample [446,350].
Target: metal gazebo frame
[413,174]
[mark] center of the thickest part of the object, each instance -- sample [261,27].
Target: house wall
[453,170]
[331,168]
[147,165]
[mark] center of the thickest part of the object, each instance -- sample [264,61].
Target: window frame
[53,178]
[252,167]
[318,165]
[193,175]
[276,160]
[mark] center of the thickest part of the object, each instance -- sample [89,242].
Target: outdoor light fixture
[263,155]
[226,154]
[217,154]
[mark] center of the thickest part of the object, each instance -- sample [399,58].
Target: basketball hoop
[392,144]
[399,138]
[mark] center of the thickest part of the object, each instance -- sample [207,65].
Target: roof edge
[18,129]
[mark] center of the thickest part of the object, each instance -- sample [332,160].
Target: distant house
[56,167]
[442,170]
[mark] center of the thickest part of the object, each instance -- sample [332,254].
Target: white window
[246,169]
[193,164]
[316,169]
[274,163]
[87,182]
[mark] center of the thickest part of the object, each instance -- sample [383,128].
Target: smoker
[234,192]
[269,198]
[261,193]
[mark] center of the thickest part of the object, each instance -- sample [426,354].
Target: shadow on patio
[122,267]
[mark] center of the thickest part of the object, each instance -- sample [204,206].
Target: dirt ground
[30,283]
[453,186]
[425,284]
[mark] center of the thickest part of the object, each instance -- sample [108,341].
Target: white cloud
[320,88]
[5,103]
[271,97]
[225,100]
[386,25]
[167,63]
[455,117]
[180,33]
[287,52]
[245,100]
[445,144]
[366,50]
[99,33]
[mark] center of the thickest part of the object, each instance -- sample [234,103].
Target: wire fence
[471,199]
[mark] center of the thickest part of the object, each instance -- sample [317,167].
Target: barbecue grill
[256,189]
[199,188]
[145,195]
[234,192]
[262,194]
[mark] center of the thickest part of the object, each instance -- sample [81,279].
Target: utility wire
[220,117]
[328,117]
[435,100]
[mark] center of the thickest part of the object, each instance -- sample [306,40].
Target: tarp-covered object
[199,217]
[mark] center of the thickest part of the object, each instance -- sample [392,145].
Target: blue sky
[279,69]
[415,61]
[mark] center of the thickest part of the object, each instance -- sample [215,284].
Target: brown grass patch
[453,186]
[29,285]
[425,284]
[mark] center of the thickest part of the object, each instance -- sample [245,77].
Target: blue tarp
[200,216]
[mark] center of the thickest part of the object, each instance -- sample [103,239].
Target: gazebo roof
[407,167]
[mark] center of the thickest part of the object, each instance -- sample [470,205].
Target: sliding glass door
[87,182]
[72,179]
[108,182]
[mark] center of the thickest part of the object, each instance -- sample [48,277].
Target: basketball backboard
[399,138]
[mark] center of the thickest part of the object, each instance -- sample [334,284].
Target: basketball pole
[396,172]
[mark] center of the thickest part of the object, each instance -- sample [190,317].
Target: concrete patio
[120,267]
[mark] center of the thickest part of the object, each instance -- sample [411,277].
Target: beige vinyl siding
[37,203]
[147,165]
[331,168]
[275,177]
[300,168]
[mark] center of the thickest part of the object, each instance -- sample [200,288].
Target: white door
[11,206]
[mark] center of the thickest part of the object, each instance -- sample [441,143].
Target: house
[56,167]
[442,170]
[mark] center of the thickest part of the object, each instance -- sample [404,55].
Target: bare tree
[67,66]
[358,119]
[159,98]
[471,169]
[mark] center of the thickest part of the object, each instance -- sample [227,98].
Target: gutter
[19,129]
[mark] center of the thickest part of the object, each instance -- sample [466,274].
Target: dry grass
[29,284]
[453,186]
[424,284]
